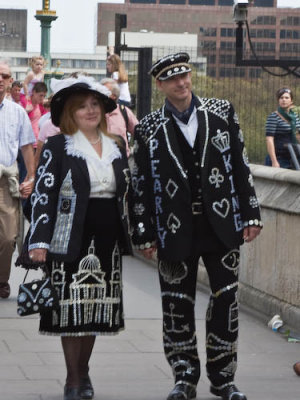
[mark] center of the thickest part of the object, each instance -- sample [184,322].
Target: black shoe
[230,392]
[182,391]
[4,290]
[86,390]
[71,393]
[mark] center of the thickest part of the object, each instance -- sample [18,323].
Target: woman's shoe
[86,390]
[71,393]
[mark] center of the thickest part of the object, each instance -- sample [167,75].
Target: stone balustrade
[270,265]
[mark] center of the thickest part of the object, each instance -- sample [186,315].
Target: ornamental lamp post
[46,16]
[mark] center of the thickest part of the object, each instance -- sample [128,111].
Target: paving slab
[131,365]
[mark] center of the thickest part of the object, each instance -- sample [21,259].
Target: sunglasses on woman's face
[5,76]
[282,91]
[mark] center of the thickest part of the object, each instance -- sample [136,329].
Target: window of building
[227,32]
[209,45]
[264,46]
[211,71]
[264,20]
[227,59]
[202,2]
[263,33]
[143,1]
[209,32]
[20,76]
[82,64]
[211,59]
[225,2]
[172,1]
[227,45]
[24,62]
[263,3]
[289,34]
[290,47]
[290,21]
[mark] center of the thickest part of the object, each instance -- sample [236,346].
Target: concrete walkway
[131,366]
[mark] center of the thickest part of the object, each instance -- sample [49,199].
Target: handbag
[38,296]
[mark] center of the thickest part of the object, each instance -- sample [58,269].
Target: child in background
[35,75]
[34,106]
[117,70]
[47,115]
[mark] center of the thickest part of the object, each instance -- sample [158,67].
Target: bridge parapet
[270,266]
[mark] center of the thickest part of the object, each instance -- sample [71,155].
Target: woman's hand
[38,255]
[275,164]
[149,253]
[26,188]
[271,151]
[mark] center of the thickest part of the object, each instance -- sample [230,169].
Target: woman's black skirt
[90,288]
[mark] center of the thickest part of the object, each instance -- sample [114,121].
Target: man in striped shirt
[15,133]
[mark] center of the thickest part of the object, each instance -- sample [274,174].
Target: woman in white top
[117,70]
[79,225]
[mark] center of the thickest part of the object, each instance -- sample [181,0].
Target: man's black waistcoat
[203,234]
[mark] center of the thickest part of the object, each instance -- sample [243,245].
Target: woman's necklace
[95,141]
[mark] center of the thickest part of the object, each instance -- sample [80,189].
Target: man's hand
[38,255]
[250,233]
[26,188]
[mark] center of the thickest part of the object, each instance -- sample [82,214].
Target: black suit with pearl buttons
[192,202]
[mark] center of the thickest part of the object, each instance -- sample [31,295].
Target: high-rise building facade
[13,30]
[274,32]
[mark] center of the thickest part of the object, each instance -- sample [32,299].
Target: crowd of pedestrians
[176,185]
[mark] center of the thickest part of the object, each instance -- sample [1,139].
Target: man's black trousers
[178,289]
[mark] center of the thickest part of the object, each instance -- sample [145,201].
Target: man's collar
[2,103]
[183,116]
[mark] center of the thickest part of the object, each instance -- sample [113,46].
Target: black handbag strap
[44,267]
[25,276]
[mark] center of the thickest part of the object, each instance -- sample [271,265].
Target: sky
[74,31]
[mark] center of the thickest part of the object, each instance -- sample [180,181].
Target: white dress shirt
[102,177]
[190,129]
[15,131]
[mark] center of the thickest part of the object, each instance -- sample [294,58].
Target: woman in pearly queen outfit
[79,224]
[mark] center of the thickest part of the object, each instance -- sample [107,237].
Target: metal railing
[250,89]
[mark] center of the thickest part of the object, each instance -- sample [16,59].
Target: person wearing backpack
[122,120]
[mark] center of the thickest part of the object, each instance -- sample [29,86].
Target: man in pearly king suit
[194,197]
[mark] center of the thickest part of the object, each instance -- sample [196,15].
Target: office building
[275,32]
